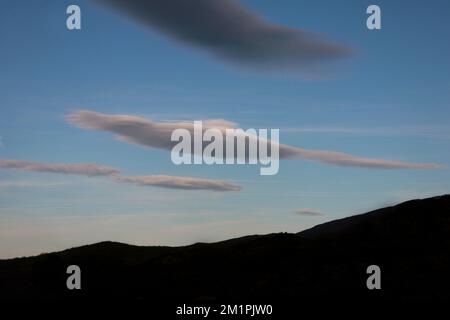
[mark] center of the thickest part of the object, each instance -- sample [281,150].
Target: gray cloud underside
[92,170]
[308,212]
[145,132]
[231,31]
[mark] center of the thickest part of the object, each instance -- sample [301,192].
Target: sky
[334,86]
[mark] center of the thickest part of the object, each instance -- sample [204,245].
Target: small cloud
[84,169]
[174,182]
[309,212]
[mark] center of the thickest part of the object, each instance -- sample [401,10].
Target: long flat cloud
[145,132]
[179,182]
[230,31]
[84,169]
[92,170]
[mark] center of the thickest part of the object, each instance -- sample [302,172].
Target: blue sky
[389,100]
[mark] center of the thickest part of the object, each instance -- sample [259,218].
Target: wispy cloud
[149,133]
[84,169]
[426,131]
[173,182]
[348,160]
[230,31]
[91,170]
[308,212]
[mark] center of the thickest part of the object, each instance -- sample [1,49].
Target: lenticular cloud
[232,32]
[149,133]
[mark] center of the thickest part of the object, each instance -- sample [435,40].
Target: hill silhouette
[410,243]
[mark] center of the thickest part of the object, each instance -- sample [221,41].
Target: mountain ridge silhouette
[409,242]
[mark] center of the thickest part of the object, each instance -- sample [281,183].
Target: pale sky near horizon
[389,99]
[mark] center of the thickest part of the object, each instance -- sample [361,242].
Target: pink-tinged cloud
[348,160]
[174,182]
[84,169]
[92,170]
[149,133]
